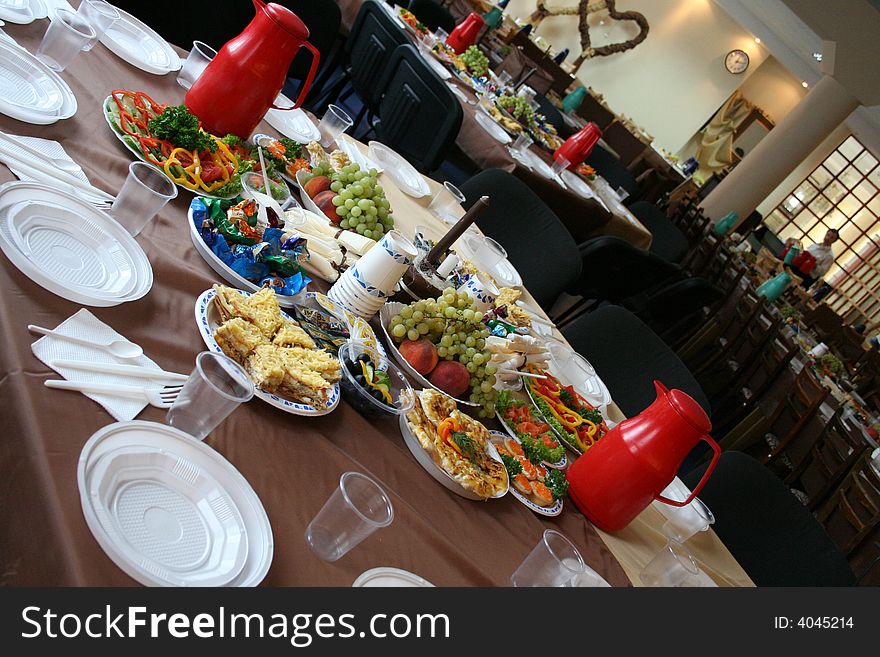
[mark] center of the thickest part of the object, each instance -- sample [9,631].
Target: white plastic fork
[155,396]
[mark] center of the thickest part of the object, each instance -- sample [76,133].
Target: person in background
[824,256]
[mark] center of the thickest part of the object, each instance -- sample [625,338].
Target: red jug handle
[703,481]
[304,89]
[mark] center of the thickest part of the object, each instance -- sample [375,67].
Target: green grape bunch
[518,107]
[454,325]
[360,200]
[476,62]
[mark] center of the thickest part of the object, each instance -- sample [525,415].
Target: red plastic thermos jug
[576,148]
[241,83]
[465,33]
[619,476]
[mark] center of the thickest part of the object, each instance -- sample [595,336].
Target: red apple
[316,185]
[421,354]
[451,377]
[324,201]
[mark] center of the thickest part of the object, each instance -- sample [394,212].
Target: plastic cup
[446,203]
[687,520]
[65,38]
[213,390]
[622,194]
[100,15]
[334,122]
[358,507]
[487,253]
[145,191]
[504,79]
[554,561]
[521,143]
[196,62]
[672,566]
[560,164]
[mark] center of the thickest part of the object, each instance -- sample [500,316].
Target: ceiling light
[817,56]
[804,85]
[757,39]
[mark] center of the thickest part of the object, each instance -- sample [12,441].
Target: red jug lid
[287,20]
[690,410]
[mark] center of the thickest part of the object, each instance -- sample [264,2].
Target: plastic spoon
[266,199]
[118,348]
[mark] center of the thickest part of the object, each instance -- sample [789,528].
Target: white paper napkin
[84,324]
[51,149]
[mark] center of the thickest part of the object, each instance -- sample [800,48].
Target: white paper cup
[384,265]
[481,290]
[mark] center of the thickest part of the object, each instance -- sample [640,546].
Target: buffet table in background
[293,463]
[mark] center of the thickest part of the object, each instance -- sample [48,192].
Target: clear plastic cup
[560,164]
[213,390]
[672,566]
[358,507]
[521,143]
[65,38]
[334,122]
[446,203]
[145,191]
[100,15]
[688,520]
[622,194]
[487,253]
[554,561]
[195,63]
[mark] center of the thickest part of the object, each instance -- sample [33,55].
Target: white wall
[674,81]
[773,89]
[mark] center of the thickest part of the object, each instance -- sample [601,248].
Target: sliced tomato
[210,172]
[549,441]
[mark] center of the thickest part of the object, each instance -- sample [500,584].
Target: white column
[824,108]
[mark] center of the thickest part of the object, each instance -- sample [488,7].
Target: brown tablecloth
[293,463]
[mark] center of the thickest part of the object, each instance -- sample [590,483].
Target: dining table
[293,463]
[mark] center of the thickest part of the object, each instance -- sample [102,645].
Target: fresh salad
[410,19]
[171,138]
[286,155]
[541,485]
[533,432]
[577,422]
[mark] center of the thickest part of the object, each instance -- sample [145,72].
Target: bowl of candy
[372,384]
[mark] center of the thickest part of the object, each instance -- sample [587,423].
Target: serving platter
[138,44]
[499,438]
[171,511]
[208,319]
[562,463]
[69,247]
[30,91]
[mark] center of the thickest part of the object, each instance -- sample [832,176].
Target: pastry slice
[266,368]
[260,309]
[291,334]
[238,339]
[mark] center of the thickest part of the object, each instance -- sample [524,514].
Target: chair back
[518,219]
[419,116]
[373,37]
[551,113]
[668,241]
[836,450]
[792,414]
[612,170]
[852,513]
[432,15]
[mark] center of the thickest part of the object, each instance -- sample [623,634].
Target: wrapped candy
[240,223]
[286,286]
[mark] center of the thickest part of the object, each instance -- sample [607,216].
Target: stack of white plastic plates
[390,577]
[22,11]
[293,123]
[139,45]
[169,510]
[404,173]
[69,247]
[29,90]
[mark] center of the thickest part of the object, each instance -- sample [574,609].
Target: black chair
[669,242]
[323,18]
[432,15]
[536,241]
[612,170]
[629,356]
[419,116]
[551,113]
[774,537]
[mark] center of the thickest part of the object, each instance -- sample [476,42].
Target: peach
[324,201]
[421,354]
[451,377]
[316,185]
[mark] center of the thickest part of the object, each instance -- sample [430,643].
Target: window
[841,193]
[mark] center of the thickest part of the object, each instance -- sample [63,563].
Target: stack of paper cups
[482,291]
[366,285]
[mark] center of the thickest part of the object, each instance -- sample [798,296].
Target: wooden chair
[831,457]
[852,513]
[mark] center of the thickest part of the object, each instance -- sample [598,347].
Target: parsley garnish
[466,444]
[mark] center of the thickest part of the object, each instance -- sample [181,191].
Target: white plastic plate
[438,473]
[294,124]
[22,11]
[229,275]
[404,174]
[139,45]
[69,247]
[532,162]
[555,510]
[488,124]
[504,272]
[171,511]
[563,358]
[29,90]
[208,320]
[390,577]
[347,145]
[581,188]
[388,311]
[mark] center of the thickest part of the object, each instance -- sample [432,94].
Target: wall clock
[736,61]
